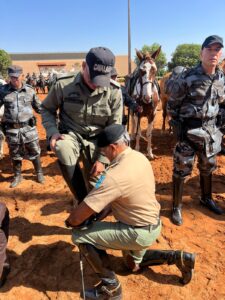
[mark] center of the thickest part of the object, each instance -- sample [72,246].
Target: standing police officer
[19,100]
[86,103]
[194,106]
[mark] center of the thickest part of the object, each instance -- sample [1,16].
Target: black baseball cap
[15,71]
[110,135]
[212,39]
[100,61]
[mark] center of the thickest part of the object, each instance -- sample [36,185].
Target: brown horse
[142,87]
[222,65]
[164,97]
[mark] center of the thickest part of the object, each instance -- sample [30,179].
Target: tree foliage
[5,62]
[185,55]
[160,60]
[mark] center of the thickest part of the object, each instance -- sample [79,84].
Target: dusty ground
[45,264]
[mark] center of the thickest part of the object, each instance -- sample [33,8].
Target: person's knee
[65,153]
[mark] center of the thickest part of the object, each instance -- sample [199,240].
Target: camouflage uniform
[19,126]
[194,106]
[21,134]
[82,115]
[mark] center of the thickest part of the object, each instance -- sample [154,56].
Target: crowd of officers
[82,116]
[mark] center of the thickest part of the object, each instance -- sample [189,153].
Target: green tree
[185,55]
[160,60]
[5,62]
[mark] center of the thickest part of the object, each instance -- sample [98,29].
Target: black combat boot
[206,194]
[17,164]
[5,273]
[183,260]
[6,265]
[37,166]
[74,180]
[178,184]
[109,287]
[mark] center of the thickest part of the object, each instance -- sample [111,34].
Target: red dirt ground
[45,264]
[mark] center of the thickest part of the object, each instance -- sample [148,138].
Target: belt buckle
[16,126]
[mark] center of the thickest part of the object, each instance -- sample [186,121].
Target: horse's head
[147,69]
[222,65]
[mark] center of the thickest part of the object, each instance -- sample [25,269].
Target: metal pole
[129,60]
[129,40]
[82,276]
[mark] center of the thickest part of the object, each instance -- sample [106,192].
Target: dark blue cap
[212,39]
[100,61]
[110,135]
[15,71]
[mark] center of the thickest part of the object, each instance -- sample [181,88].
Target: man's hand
[54,139]
[97,168]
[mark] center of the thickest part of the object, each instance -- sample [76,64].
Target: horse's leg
[149,137]
[164,118]
[133,126]
[137,132]
[2,139]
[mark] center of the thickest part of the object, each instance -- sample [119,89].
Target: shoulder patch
[30,86]
[100,181]
[114,83]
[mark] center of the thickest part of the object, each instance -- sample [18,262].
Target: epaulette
[30,86]
[187,72]
[112,165]
[115,83]
[64,76]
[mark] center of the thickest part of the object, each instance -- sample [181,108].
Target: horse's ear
[139,54]
[156,53]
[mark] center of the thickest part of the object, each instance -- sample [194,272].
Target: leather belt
[17,125]
[150,226]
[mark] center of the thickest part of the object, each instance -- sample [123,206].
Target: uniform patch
[100,181]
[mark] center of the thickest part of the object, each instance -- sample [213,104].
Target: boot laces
[110,292]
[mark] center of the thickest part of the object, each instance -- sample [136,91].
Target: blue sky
[78,25]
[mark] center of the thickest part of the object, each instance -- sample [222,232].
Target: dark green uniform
[83,113]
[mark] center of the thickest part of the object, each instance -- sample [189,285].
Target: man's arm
[178,93]
[36,103]
[49,109]
[79,214]
[116,105]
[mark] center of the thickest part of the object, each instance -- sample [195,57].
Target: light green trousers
[118,236]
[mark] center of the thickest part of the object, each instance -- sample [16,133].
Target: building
[61,62]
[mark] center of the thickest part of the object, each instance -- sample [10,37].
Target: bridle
[139,93]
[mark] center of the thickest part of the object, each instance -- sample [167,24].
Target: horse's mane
[131,81]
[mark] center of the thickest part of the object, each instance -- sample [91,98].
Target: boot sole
[175,222]
[184,282]
[211,209]
[119,297]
